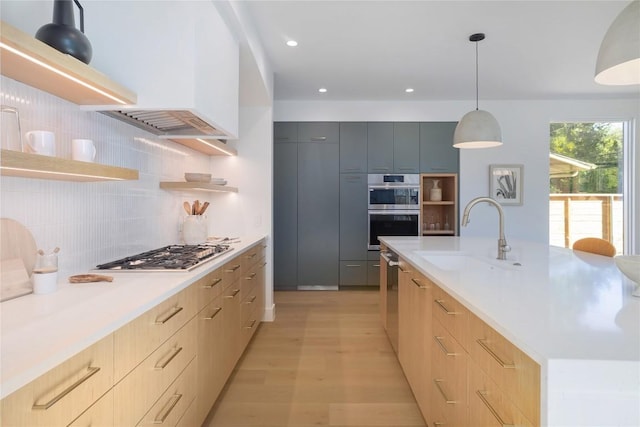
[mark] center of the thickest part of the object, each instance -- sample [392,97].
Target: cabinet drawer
[251,257]
[353,273]
[135,394]
[208,287]
[285,132]
[175,401]
[489,405]
[232,271]
[514,372]
[62,394]
[328,132]
[373,273]
[251,278]
[100,414]
[453,315]
[137,339]
[449,376]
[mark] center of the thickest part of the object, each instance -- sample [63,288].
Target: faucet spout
[503,247]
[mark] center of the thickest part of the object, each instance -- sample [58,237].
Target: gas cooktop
[179,258]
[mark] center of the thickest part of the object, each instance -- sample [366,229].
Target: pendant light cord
[477,95]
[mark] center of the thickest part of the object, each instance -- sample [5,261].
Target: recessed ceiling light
[322,90]
[292,43]
[408,90]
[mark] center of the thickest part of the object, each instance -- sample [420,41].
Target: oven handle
[392,187]
[415,211]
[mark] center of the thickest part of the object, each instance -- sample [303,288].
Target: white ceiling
[373,50]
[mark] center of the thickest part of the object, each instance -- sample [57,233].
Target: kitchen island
[571,313]
[109,349]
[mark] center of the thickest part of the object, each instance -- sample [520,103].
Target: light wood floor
[325,361]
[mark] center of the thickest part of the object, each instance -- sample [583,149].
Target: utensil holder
[194,230]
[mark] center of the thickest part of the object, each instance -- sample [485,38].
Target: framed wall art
[505,183]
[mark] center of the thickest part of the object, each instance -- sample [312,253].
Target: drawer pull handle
[381,169]
[215,282]
[446,310]
[353,265]
[251,276]
[91,372]
[253,322]
[232,269]
[485,346]
[482,395]
[253,298]
[253,255]
[168,317]
[233,295]
[318,138]
[214,314]
[402,270]
[263,264]
[418,284]
[442,347]
[447,401]
[376,265]
[160,419]
[161,366]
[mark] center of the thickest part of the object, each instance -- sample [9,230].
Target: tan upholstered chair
[595,245]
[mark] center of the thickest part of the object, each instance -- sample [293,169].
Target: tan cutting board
[18,257]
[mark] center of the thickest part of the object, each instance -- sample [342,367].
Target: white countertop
[572,312]
[41,331]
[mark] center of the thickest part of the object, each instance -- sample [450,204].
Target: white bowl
[630,267]
[197,177]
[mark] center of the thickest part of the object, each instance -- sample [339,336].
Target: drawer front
[514,372]
[135,394]
[208,287]
[175,401]
[137,339]
[353,273]
[251,278]
[373,273]
[252,256]
[62,394]
[100,414]
[489,405]
[453,315]
[449,376]
[231,271]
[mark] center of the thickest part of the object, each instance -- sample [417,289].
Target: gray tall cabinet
[320,193]
[306,174]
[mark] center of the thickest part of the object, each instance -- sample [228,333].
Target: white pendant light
[478,128]
[619,56]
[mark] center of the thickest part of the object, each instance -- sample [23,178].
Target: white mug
[41,142]
[83,150]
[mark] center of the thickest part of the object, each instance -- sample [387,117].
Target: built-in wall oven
[394,206]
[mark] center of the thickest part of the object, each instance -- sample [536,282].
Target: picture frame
[505,183]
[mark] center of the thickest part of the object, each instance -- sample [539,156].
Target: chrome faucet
[503,247]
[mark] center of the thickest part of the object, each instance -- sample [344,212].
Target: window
[587,176]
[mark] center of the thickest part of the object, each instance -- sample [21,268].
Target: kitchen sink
[454,261]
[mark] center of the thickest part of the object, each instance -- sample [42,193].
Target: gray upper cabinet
[406,147]
[285,215]
[285,132]
[319,132]
[318,213]
[437,153]
[353,216]
[353,147]
[380,147]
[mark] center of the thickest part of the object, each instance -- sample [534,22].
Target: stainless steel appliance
[173,258]
[392,297]
[394,206]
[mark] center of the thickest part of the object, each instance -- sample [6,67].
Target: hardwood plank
[325,361]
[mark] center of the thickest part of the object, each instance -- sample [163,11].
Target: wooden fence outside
[574,216]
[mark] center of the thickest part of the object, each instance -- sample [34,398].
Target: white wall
[525,129]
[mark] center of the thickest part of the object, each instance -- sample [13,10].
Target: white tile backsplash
[97,222]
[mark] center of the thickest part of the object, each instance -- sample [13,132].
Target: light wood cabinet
[462,372]
[137,339]
[210,361]
[140,389]
[439,217]
[62,394]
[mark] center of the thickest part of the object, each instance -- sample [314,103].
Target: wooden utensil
[196,207]
[204,208]
[88,278]
[187,208]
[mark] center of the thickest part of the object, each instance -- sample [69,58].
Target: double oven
[394,206]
